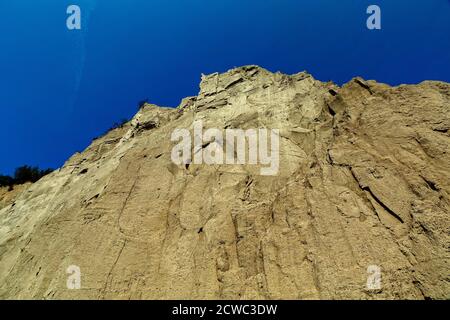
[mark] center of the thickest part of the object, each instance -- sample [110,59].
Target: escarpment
[363,183]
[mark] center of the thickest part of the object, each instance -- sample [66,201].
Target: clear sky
[60,88]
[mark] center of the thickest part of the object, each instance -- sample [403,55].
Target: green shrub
[6,181]
[26,174]
[22,175]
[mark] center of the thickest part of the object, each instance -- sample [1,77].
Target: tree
[22,175]
[6,181]
[26,174]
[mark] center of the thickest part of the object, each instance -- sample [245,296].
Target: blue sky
[60,88]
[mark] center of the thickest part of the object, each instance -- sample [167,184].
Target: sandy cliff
[364,180]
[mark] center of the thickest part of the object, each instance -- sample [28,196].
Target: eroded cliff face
[364,180]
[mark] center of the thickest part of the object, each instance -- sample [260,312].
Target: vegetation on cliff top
[22,175]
